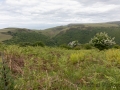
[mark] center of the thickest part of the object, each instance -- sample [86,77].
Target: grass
[101,25]
[37,68]
[51,32]
[4,37]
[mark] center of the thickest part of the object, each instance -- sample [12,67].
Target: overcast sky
[40,14]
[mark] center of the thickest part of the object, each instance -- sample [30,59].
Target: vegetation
[48,68]
[83,35]
[38,43]
[26,37]
[4,37]
[60,35]
[27,63]
[102,41]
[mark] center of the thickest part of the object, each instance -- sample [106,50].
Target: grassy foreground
[37,68]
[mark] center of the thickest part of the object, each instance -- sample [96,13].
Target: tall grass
[38,68]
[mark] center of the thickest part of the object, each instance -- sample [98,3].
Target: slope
[82,32]
[60,34]
[20,35]
[51,32]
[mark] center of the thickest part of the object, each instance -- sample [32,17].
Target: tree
[102,41]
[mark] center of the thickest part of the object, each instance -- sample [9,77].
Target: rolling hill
[82,32]
[60,34]
[56,30]
[21,35]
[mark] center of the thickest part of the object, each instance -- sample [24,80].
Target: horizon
[57,25]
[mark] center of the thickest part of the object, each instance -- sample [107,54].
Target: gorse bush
[102,41]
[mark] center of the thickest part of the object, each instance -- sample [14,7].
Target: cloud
[45,13]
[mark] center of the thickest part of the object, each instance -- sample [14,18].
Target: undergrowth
[46,68]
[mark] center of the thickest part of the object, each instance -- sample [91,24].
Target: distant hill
[114,22]
[56,30]
[61,34]
[21,35]
[82,32]
[6,33]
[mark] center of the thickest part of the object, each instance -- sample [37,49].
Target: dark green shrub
[78,47]
[87,46]
[38,43]
[116,46]
[65,46]
[24,44]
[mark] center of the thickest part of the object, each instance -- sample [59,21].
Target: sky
[42,14]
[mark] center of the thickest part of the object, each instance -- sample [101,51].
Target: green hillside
[84,35]
[56,30]
[82,32]
[7,33]
[24,35]
[60,34]
[51,32]
[4,35]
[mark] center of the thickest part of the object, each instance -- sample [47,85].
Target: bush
[102,41]
[65,46]
[116,46]
[39,43]
[87,46]
[24,44]
[79,47]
